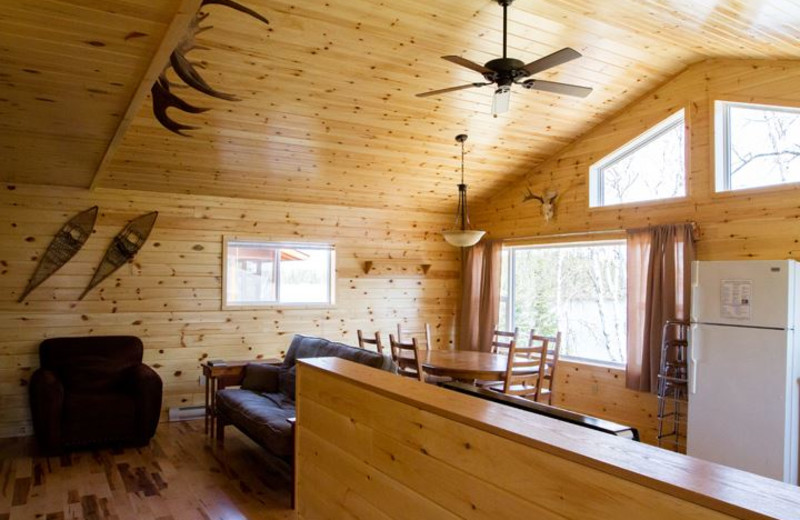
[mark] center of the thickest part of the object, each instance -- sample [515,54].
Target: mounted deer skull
[548,200]
[163,97]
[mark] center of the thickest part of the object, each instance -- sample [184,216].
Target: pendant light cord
[462,162]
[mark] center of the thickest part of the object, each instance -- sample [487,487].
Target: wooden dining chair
[406,357]
[401,334]
[550,349]
[502,339]
[522,371]
[363,342]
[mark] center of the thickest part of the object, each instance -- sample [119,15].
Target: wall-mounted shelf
[396,267]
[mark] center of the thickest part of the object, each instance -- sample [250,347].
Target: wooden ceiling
[327,111]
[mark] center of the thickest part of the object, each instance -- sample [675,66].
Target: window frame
[277,245]
[596,184]
[509,318]
[721,139]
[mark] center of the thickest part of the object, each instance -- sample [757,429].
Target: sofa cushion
[262,416]
[286,382]
[261,377]
[310,347]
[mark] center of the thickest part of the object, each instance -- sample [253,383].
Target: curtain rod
[695,231]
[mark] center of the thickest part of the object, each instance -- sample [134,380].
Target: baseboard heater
[186,413]
[579,419]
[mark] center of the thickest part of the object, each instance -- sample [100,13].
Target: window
[757,145]
[579,289]
[651,167]
[264,273]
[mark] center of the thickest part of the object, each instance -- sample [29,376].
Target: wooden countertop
[717,487]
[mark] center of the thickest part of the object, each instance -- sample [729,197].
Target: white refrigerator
[744,366]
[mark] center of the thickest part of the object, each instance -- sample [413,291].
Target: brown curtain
[659,260]
[480,295]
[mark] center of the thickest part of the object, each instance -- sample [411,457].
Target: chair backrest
[363,341]
[90,363]
[550,347]
[401,334]
[524,369]
[406,357]
[502,339]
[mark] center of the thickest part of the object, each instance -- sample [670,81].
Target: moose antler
[547,199]
[164,98]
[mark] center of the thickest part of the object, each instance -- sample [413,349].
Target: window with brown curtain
[659,285]
[480,295]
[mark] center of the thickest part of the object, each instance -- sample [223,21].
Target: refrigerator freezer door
[748,293]
[739,414]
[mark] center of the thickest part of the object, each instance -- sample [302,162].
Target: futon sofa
[93,391]
[264,404]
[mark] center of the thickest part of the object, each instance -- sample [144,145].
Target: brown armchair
[93,391]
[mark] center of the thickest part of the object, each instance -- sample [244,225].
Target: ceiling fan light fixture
[505,72]
[462,235]
[501,100]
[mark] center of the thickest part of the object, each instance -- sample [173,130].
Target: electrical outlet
[202,380]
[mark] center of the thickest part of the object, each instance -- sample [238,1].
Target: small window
[268,273]
[651,167]
[756,145]
[578,289]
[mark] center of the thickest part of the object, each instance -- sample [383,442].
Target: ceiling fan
[506,71]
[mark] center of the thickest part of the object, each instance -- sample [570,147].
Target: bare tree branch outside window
[764,146]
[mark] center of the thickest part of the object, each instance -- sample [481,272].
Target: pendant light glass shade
[463,238]
[461,235]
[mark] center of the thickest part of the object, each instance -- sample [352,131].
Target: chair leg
[220,431]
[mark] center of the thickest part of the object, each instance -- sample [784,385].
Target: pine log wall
[753,224]
[170,295]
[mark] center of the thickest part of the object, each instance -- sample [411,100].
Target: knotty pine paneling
[752,224]
[600,391]
[374,445]
[170,295]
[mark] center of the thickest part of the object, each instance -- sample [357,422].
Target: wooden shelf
[396,267]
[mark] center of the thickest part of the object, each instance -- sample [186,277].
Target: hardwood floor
[180,475]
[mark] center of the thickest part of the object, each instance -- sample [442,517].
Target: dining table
[465,365]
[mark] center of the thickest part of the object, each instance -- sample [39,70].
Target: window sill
[594,363]
[640,203]
[279,307]
[756,191]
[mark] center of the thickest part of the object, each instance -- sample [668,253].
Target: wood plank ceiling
[327,111]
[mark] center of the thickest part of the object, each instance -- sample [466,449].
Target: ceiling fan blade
[458,60]
[557,88]
[501,100]
[552,60]
[451,89]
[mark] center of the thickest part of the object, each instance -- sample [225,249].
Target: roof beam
[176,30]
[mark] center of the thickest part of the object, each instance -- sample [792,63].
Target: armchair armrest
[47,403]
[262,377]
[146,386]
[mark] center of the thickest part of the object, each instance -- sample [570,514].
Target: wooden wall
[170,295]
[374,445]
[600,391]
[753,224]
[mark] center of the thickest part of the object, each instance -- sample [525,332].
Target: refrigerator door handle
[693,347]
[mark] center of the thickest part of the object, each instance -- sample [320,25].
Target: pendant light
[461,235]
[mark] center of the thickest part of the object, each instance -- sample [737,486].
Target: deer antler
[547,200]
[532,196]
[163,98]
